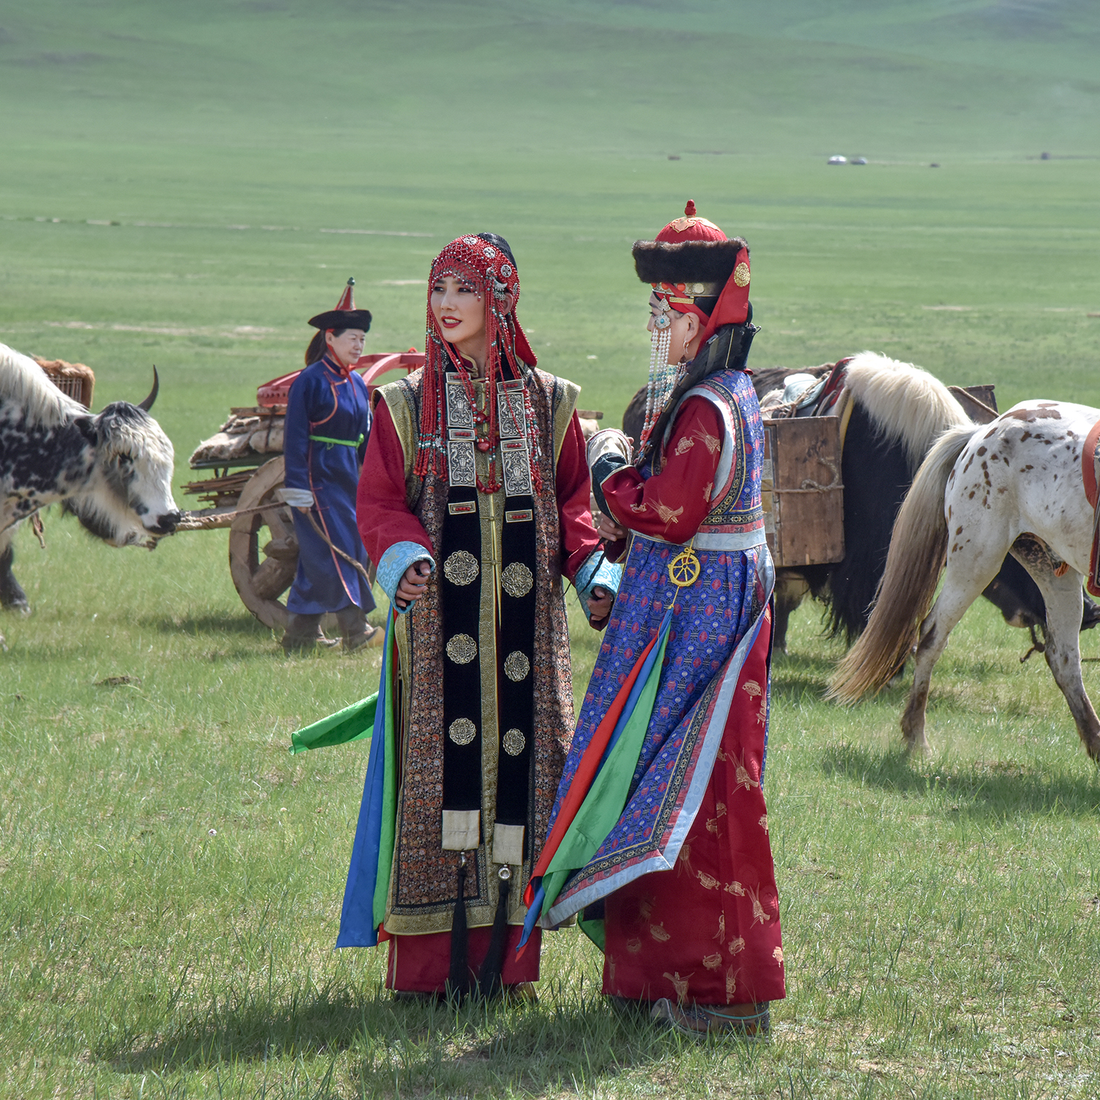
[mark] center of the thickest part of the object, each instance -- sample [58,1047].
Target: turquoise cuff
[392,565]
[595,571]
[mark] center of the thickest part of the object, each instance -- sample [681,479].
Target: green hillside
[567,75]
[256,153]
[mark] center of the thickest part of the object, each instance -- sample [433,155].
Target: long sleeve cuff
[602,468]
[296,498]
[392,565]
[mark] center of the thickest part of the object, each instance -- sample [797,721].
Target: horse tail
[897,412]
[913,566]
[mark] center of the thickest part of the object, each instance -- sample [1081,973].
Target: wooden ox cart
[245,464]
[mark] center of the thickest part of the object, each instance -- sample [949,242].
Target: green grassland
[184,184]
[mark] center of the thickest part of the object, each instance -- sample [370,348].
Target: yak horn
[147,404]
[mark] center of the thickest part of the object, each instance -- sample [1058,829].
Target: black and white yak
[112,470]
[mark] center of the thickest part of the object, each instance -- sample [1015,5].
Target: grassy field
[185,184]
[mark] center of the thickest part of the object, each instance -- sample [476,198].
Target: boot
[304,632]
[356,630]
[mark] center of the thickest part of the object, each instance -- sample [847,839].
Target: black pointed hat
[345,315]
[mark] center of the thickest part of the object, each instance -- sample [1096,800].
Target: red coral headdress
[485,266]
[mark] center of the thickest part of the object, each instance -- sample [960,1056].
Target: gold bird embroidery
[758,913]
[679,984]
[713,443]
[731,984]
[684,862]
[741,773]
[667,514]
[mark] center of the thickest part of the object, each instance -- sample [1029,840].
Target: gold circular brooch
[683,570]
[461,649]
[461,568]
[516,666]
[462,731]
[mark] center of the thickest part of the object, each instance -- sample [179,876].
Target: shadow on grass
[216,625]
[396,1047]
[796,676]
[994,789]
[245,1026]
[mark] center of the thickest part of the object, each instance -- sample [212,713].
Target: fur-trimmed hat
[345,315]
[693,259]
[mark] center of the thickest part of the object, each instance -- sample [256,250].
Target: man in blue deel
[327,423]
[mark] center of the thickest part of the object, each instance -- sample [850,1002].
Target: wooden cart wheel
[263,550]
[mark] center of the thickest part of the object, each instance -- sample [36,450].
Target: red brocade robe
[400,516]
[706,930]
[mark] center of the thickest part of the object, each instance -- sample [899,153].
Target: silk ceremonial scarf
[368,882]
[600,788]
[372,852]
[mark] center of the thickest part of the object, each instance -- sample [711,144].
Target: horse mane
[904,402]
[26,384]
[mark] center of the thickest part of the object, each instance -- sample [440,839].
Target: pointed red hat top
[345,315]
[347,299]
[690,228]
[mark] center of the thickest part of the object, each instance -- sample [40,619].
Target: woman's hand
[608,529]
[413,584]
[599,607]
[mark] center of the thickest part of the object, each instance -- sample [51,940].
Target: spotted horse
[1019,485]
